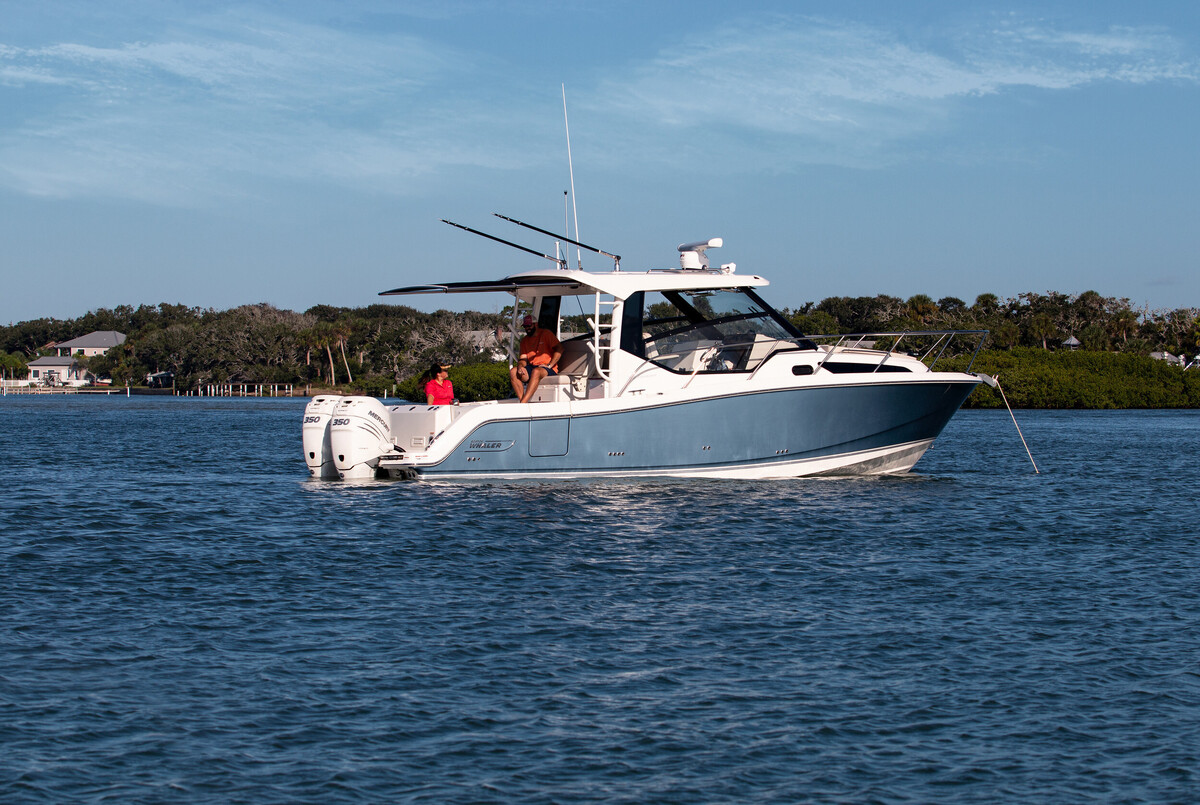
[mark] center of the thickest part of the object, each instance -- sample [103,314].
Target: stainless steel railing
[941,340]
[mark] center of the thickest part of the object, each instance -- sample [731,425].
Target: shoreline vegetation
[382,349]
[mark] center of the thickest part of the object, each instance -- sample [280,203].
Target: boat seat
[691,356]
[748,351]
[576,362]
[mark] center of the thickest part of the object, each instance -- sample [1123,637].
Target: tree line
[1099,323]
[376,347]
[368,348]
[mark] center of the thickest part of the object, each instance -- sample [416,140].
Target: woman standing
[439,390]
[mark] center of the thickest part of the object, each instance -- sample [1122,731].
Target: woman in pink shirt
[439,390]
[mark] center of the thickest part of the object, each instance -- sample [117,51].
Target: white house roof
[100,339]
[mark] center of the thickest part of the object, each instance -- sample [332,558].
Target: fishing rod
[555,260]
[616,257]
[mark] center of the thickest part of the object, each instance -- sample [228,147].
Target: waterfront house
[57,370]
[94,343]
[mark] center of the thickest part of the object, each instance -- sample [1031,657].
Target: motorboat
[677,372]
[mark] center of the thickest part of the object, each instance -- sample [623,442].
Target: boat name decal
[484,444]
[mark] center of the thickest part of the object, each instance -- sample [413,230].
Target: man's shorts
[549,372]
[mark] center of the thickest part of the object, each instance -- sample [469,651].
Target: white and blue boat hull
[852,429]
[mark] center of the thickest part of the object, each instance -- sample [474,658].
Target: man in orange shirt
[540,353]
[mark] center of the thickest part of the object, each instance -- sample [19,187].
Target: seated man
[539,356]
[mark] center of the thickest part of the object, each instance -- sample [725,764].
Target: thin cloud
[228,100]
[849,94]
[1115,42]
[235,96]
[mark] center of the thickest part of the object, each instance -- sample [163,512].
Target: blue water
[185,617]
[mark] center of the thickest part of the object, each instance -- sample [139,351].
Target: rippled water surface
[185,617]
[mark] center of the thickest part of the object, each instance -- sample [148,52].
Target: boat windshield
[712,330]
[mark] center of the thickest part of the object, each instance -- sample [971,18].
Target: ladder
[601,344]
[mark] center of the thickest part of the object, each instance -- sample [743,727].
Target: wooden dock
[43,390]
[241,390]
[207,390]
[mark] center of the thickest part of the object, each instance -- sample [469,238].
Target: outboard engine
[360,432]
[318,453]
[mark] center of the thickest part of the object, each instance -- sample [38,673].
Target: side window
[548,313]
[666,324]
[632,337]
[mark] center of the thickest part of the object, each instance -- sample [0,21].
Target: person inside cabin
[540,353]
[439,390]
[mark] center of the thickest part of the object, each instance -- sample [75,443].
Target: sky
[299,153]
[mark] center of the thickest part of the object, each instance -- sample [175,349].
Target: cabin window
[846,367]
[721,330]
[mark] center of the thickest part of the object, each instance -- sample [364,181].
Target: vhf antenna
[561,262]
[571,169]
[616,257]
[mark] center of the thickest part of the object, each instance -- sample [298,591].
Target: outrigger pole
[616,257]
[555,260]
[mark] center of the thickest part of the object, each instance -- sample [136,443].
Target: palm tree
[986,304]
[1041,327]
[308,342]
[323,336]
[922,308]
[342,331]
[1123,322]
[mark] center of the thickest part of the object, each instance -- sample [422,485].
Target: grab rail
[944,338]
[851,341]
